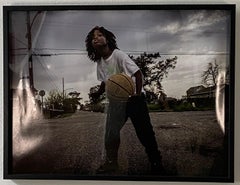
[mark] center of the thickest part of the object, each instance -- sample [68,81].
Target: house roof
[200,90]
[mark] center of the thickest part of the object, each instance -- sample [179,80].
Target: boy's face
[98,40]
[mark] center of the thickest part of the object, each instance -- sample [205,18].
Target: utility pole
[30,54]
[42,93]
[30,65]
[63,87]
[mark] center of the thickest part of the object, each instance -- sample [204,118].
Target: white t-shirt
[118,62]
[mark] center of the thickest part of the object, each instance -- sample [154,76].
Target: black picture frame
[224,154]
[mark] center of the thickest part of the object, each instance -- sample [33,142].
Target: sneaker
[108,167]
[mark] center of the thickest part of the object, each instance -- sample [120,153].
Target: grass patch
[154,107]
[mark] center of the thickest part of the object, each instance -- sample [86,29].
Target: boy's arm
[97,94]
[139,82]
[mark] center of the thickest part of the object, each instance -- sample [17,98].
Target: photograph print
[119,92]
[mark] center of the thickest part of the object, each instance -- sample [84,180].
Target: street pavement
[189,142]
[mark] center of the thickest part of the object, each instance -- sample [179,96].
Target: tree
[93,99]
[69,103]
[154,70]
[209,76]
[54,100]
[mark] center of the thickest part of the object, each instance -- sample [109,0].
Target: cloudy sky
[196,37]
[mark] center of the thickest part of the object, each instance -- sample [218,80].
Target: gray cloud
[172,32]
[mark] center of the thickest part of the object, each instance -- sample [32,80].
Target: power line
[49,78]
[128,52]
[82,52]
[71,49]
[122,28]
[22,42]
[14,49]
[46,68]
[57,54]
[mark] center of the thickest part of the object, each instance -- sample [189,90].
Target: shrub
[184,107]
[154,107]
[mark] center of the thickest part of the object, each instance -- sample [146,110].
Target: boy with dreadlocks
[102,48]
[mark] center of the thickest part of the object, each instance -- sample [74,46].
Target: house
[201,92]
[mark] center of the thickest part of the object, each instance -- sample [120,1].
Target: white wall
[76,2]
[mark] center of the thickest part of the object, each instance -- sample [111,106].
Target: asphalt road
[190,143]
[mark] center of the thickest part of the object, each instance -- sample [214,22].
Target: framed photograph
[119,92]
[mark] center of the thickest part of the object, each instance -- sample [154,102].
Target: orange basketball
[119,87]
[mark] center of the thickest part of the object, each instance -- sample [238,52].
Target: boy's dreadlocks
[110,37]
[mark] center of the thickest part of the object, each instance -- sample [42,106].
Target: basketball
[119,87]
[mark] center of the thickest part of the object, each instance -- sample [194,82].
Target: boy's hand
[135,97]
[95,96]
